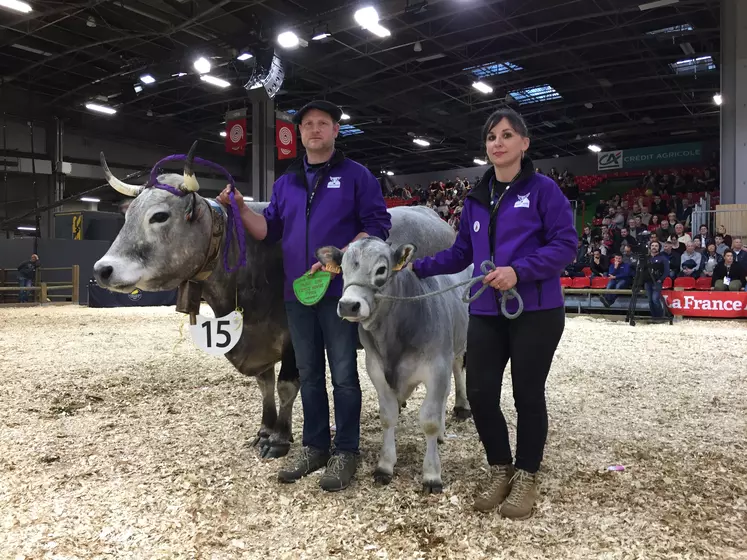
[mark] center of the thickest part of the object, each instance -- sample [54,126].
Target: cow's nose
[103,272]
[349,308]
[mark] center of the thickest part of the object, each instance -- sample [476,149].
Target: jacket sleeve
[560,239]
[274,217]
[371,208]
[666,269]
[452,260]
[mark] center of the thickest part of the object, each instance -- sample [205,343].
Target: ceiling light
[26,228]
[86,199]
[717,99]
[147,79]
[321,36]
[656,4]
[17,6]
[595,148]
[100,108]
[483,87]
[244,56]
[202,65]
[390,173]
[479,161]
[421,142]
[418,47]
[379,30]
[288,40]
[215,81]
[344,117]
[367,16]
[430,57]
[30,49]
[138,88]
[178,75]
[223,133]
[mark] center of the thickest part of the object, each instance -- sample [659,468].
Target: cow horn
[190,181]
[120,186]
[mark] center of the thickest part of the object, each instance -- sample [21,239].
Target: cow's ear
[330,257]
[192,212]
[403,255]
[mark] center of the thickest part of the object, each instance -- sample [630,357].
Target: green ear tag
[309,289]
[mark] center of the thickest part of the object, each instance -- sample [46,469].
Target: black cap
[334,111]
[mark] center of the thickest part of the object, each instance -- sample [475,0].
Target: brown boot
[497,488]
[519,503]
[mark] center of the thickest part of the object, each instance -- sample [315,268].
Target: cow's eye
[159,217]
[381,271]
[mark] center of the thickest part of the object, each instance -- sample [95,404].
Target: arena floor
[119,441]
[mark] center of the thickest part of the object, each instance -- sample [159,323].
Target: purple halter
[233,219]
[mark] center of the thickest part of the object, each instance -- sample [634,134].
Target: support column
[734,107]
[263,144]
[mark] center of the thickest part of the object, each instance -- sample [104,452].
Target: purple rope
[234,227]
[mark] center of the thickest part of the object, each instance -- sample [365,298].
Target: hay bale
[119,441]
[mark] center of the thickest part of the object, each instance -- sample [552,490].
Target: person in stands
[728,276]
[621,278]
[26,277]
[523,223]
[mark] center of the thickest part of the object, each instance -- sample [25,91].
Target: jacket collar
[481,191]
[298,167]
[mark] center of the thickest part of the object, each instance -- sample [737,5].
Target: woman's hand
[502,278]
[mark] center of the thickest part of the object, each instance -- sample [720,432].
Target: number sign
[218,335]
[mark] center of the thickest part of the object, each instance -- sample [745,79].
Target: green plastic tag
[310,288]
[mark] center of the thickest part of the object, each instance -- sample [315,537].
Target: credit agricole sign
[673,154]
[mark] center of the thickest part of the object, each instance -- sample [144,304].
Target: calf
[407,342]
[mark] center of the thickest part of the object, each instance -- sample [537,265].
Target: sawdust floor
[115,443]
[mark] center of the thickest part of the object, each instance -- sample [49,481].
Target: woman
[521,222]
[728,276]
[712,258]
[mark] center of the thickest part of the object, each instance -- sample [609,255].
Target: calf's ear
[330,257]
[403,255]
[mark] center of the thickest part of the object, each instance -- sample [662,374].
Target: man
[690,261]
[620,277]
[740,255]
[720,245]
[673,257]
[682,236]
[658,269]
[659,206]
[26,276]
[704,236]
[322,199]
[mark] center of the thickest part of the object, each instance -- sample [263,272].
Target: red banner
[236,136]
[707,304]
[285,139]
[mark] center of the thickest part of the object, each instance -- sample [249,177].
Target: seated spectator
[711,259]
[574,270]
[586,236]
[619,218]
[627,239]
[598,264]
[727,238]
[703,235]
[728,276]
[653,224]
[673,257]
[665,230]
[720,245]
[740,255]
[630,258]
[581,251]
[691,262]
[679,231]
[642,232]
[696,244]
[658,270]
[659,207]
[621,277]
[646,216]
[677,246]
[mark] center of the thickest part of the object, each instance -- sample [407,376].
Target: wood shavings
[116,445]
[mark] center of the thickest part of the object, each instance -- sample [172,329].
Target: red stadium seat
[581,282]
[703,283]
[566,281]
[587,271]
[685,283]
[599,282]
[667,284]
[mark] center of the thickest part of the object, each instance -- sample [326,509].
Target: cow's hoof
[382,477]
[461,413]
[274,449]
[262,439]
[433,487]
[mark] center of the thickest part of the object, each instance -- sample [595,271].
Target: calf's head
[165,237]
[367,265]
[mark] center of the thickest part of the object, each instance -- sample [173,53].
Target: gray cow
[164,242]
[407,343]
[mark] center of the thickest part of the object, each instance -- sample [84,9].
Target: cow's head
[367,265]
[165,237]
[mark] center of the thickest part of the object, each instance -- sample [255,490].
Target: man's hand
[223,198]
[319,266]
[612,277]
[502,278]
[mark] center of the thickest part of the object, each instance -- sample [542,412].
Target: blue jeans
[23,295]
[311,329]
[616,284]
[653,291]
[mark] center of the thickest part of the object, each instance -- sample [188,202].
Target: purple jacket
[346,201]
[534,234]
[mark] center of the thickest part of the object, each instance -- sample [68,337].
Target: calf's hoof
[433,487]
[461,413]
[274,449]
[382,477]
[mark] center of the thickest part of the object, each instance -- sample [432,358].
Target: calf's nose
[348,308]
[102,272]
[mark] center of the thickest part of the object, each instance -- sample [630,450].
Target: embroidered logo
[476,226]
[523,201]
[334,183]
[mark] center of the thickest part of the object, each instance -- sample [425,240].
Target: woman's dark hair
[516,120]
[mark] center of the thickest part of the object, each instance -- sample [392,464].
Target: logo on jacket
[334,183]
[476,226]
[523,201]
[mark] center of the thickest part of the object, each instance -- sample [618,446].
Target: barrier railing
[732,216]
[41,290]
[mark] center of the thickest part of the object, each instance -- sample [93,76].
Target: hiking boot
[340,470]
[309,460]
[497,488]
[519,503]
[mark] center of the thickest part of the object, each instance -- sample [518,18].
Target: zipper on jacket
[309,200]
[539,293]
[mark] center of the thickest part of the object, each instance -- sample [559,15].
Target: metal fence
[733,217]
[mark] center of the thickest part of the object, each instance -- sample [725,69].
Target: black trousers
[530,342]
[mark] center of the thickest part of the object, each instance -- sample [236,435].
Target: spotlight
[288,40]
[717,99]
[595,148]
[202,65]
